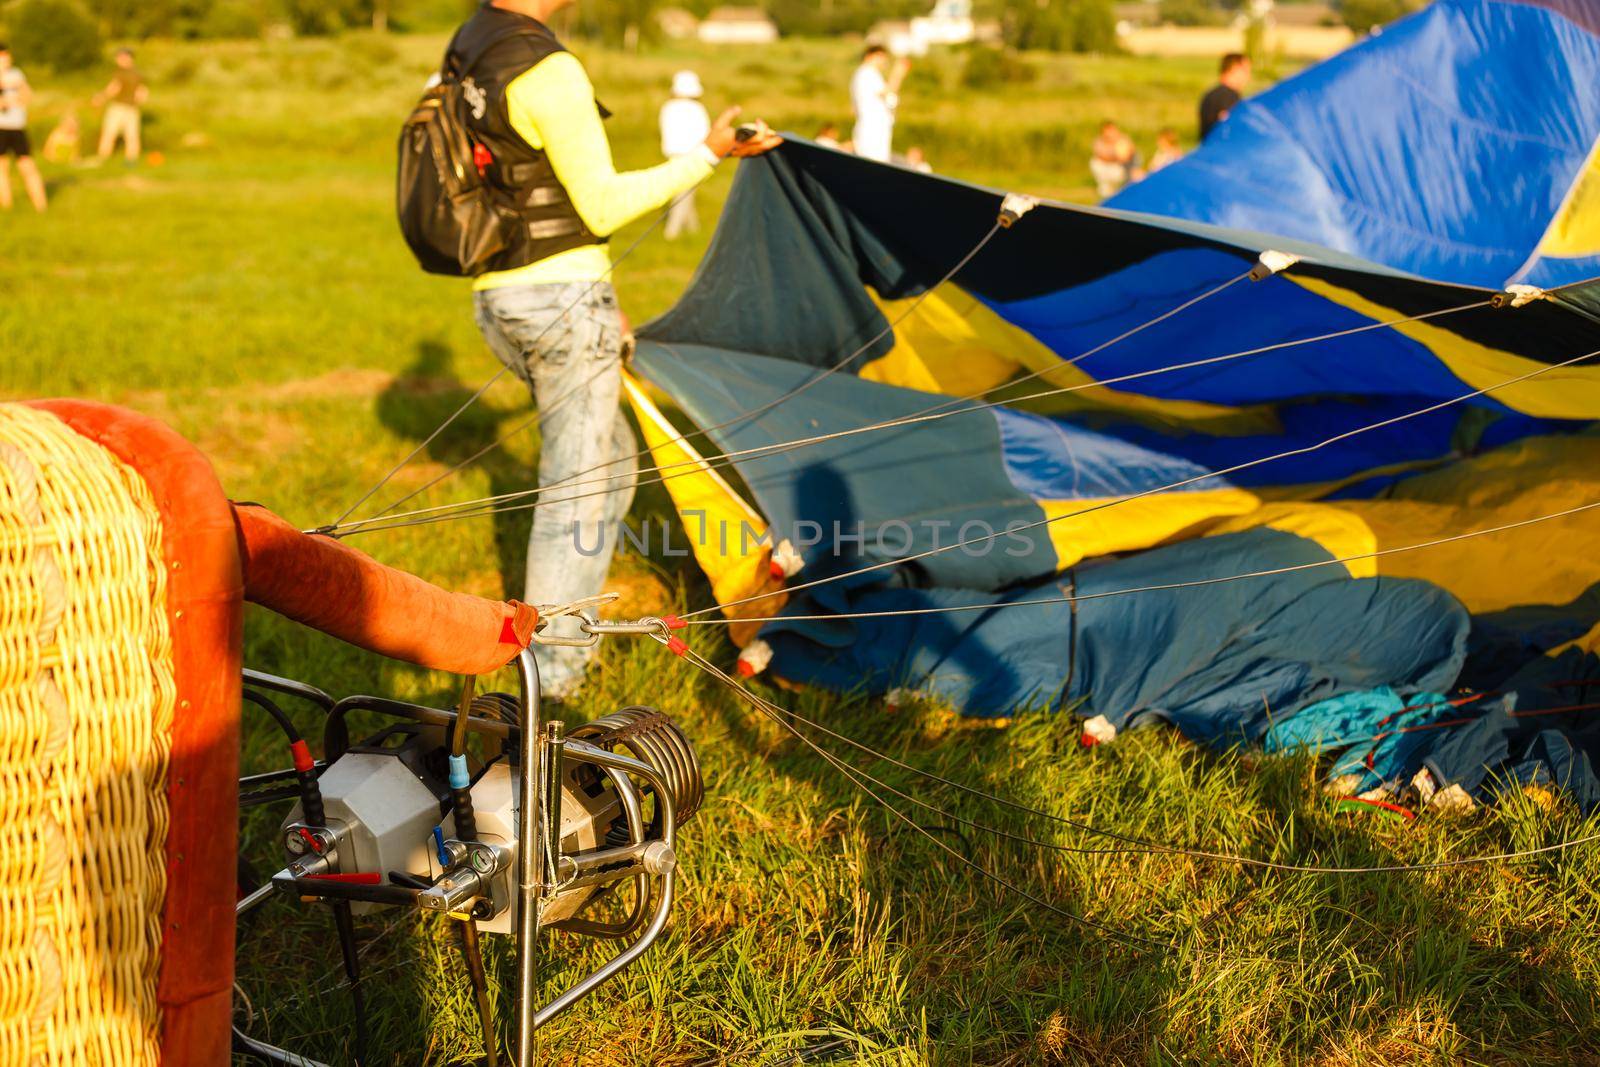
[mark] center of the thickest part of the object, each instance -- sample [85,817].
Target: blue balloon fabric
[1385,150]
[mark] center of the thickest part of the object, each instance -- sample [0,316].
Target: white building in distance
[950,23]
[738,25]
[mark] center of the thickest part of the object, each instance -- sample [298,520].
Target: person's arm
[552,106]
[897,78]
[105,94]
[142,94]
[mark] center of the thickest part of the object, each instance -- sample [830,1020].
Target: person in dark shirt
[122,98]
[1223,97]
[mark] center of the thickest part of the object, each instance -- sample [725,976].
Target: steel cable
[501,373]
[1180,484]
[485,506]
[1140,845]
[1163,587]
[742,417]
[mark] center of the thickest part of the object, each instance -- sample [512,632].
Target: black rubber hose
[277,713]
[305,767]
[336,734]
[327,889]
[352,970]
[480,991]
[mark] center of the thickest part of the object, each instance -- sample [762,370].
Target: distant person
[684,127]
[875,95]
[1113,160]
[15,95]
[828,136]
[546,305]
[1167,152]
[122,98]
[917,160]
[1223,97]
[65,142]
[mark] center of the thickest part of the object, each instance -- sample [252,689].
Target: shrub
[56,33]
[1061,25]
[990,67]
[1363,15]
[1190,13]
[231,19]
[313,18]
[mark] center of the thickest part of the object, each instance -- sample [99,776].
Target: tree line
[68,34]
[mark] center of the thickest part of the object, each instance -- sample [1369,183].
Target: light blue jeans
[572,361]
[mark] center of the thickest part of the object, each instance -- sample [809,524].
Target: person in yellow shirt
[546,306]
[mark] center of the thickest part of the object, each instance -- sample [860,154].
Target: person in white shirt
[15,94]
[875,94]
[685,124]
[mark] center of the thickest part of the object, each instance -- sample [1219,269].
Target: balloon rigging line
[360,525]
[1248,464]
[484,388]
[486,506]
[860,779]
[1138,845]
[888,329]
[1194,583]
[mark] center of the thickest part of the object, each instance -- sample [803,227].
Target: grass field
[254,293]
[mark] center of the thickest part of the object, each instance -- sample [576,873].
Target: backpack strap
[472,60]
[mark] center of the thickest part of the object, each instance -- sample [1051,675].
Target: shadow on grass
[1490,964]
[418,402]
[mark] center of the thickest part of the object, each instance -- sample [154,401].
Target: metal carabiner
[649,626]
[574,609]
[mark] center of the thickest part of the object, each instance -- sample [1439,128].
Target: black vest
[490,52]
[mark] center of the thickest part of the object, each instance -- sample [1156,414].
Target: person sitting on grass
[546,306]
[15,95]
[1168,151]
[65,141]
[1114,160]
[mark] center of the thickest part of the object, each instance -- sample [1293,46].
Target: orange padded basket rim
[205,595]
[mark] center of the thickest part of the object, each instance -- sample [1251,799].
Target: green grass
[254,293]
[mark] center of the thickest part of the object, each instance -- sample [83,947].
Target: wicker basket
[90,705]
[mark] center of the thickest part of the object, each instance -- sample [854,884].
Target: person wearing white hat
[684,127]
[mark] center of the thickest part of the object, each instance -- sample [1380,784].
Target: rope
[1163,587]
[1304,450]
[501,373]
[479,508]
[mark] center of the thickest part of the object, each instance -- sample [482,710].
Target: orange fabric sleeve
[329,586]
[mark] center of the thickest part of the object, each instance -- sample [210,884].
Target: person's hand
[897,75]
[724,137]
[630,343]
